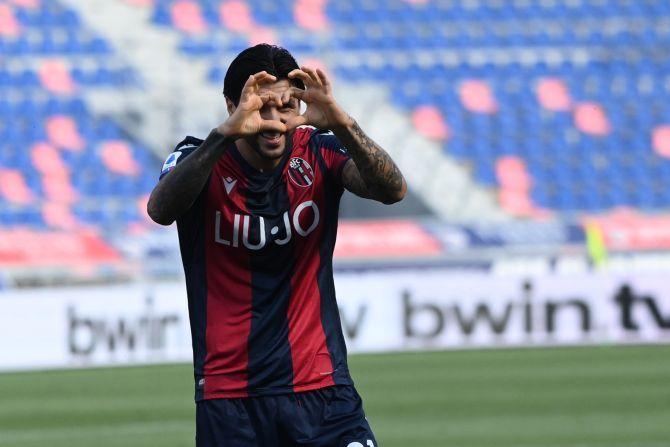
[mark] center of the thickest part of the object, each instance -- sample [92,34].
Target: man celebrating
[256,206]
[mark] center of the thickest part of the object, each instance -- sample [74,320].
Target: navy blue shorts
[328,417]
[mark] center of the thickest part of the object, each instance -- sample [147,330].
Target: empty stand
[61,165]
[577,91]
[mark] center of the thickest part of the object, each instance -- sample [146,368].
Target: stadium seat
[55,77]
[236,16]
[13,187]
[117,157]
[187,17]
[590,118]
[661,140]
[477,96]
[310,15]
[62,132]
[58,215]
[552,94]
[429,122]
[9,25]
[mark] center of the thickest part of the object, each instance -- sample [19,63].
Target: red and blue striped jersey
[257,250]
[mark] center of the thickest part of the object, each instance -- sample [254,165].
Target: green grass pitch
[576,397]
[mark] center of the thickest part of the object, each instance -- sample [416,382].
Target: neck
[254,158]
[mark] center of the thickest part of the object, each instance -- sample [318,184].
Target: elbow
[154,213]
[395,196]
[390,200]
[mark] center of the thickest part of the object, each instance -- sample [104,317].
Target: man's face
[270,145]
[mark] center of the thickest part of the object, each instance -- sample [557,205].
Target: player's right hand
[246,119]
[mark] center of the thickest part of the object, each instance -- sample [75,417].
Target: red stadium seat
[553,94]
[58,215]
[32,4]
[429,122]
[140,2]
[515,185]
[236,16]
[47,159]
[13,187]
[476,96]
[661,140]
[512,174]
[62,132]
[58,188]
[310,14]
[9,25]
[262,35]
[118,158]
[55,77]
[590,118]
[316,63]
[517,203]
[187,17]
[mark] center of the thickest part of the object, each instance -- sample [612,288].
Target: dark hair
[277,61]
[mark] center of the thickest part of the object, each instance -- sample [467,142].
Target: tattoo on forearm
[377,170]
[177,191]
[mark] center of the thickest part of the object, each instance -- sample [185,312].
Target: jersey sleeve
[181,151]
[333,153]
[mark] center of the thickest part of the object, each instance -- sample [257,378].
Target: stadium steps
[446,186]
[174,100]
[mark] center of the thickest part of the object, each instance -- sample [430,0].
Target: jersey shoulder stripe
[326,139]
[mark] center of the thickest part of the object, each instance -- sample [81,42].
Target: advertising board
[380,311]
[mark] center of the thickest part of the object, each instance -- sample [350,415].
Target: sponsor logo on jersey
[171,162]
[301,222]
[300,172]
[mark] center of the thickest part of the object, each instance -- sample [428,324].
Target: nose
[270,112]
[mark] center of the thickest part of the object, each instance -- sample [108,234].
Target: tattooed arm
[371,173]
[177,191]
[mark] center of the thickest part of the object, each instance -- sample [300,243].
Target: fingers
[253,83]
[273,125]
[271,96]
[299,74]
[293,92]
[312,75]
[296,121]
[322,76]
[306,75]
[286,95]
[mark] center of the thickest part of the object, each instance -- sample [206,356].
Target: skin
[261,152]
[258,125]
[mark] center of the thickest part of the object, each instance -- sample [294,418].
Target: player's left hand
[322,110]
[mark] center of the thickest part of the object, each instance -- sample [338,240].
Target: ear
[230,106]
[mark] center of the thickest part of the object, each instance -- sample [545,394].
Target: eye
[291,105]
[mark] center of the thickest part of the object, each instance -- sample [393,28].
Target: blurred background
[517,297]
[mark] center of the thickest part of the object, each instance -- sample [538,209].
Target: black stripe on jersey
[270,365]
[330,315]
[191,228]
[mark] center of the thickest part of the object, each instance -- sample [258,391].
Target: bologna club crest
[300,172]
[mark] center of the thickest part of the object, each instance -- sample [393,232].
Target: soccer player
[256,206]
